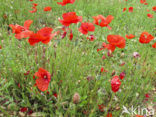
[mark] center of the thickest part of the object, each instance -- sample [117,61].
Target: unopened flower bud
[76,98]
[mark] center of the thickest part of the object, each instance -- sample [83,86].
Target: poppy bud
[71,36]
[130,9]
[27,73]
[23,109]
[122,75]
[89,78]
[102,69]
[113,73]
[76,98]
[64,34]
[103,57]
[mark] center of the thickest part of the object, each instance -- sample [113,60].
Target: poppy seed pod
[76,98]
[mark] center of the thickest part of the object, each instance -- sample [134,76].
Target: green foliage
[72,62]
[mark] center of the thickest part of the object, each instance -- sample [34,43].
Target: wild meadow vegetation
[77,58]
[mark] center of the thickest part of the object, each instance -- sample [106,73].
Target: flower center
[45,77]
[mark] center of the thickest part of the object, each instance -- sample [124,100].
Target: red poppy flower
[102,21]
[130,36]
[0,47]
[35,4]
[124,9]
[116,40]
[22,31]
[154,8]
[69,18]
[34,9]
[142,1]
[85,27]
[43,80]
[148,10]
[154,45]
[48,8]
[145,38]
[122,75]
[109,115]
[64,2]
[130,9]
[55,95]
[115,83]
[30,112]
[31,0]
[43,35]
[23,109]
[149,15]
[139,116]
